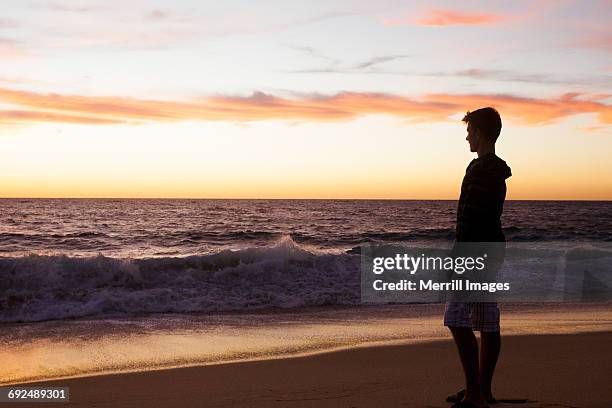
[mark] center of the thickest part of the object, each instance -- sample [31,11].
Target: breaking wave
[282,275]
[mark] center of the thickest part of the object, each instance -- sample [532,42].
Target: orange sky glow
[196,100]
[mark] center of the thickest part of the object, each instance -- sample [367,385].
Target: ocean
[72,258]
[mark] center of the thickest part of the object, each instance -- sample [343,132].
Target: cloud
[21,116]
[537,110]
[438,17]
[7,42]
[157,14]
[334,65]
[10,49]
[341,106]
[597,41]
[132,27]
[313,52]
[16,80]
[8,23]
[120,39]
[512,76]
[502,75]
[74,8]
[320,17]
[379,60]
[597,129]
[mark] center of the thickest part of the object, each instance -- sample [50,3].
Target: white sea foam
[282,275]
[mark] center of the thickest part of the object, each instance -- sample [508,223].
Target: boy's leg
[490,345]
[485,318]
[468,353]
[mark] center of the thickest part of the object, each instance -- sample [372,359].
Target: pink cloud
[24,116]
[598,41]
[437,17]
[10,49]
[341,106]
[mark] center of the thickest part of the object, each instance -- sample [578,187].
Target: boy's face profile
[473,137]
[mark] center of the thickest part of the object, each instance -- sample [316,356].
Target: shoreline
[60,350]
[429,309]
[551,370]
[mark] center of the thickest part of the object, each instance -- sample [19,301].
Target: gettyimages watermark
[486,272]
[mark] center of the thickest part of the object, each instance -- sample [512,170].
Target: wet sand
[561,370]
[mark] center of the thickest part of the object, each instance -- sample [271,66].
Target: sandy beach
[563,370]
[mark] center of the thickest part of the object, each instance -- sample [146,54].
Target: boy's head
[483,126]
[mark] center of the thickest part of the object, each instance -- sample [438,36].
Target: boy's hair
[487,120]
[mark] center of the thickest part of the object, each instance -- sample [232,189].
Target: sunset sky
[301,99]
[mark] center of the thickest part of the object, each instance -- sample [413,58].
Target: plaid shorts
[480,316]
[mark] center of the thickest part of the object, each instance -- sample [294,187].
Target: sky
[301,99]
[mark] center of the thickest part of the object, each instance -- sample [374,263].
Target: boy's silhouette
[483,192]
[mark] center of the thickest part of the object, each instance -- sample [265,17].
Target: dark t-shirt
[481,203]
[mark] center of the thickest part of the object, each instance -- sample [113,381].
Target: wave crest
[282,275]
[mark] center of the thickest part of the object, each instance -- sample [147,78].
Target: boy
[481,203]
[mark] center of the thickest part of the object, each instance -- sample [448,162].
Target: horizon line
[291,199]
